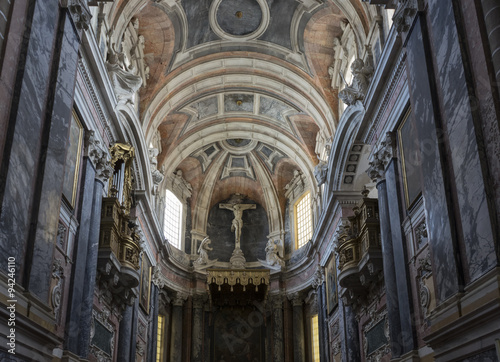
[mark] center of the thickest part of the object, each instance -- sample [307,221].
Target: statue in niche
[272,255]
[320,172]
[203,250]
[361,77]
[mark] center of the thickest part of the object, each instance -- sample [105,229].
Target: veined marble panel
[464,151]
[435,202]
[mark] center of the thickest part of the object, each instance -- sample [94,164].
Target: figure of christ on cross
[237,222]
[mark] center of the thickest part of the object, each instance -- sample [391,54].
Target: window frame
[182,218]
[296,219]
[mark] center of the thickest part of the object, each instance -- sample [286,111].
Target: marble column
[197,328]
[176,337]
[277,347]
[125,335]
[103,171]
[153,330]
[322,323]
[352,347]
[75,298]
[408,339]
[299,346]
[377,172]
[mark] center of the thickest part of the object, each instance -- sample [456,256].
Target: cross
[237,222]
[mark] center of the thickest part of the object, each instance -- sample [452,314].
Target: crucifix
[237,222]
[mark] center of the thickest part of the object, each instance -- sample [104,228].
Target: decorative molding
[421,234]
[388,92]
[92,90]
[56,294]
[61,235]
[140,348]
[336,348]
[424,296]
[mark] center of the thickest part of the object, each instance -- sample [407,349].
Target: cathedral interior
[250,180]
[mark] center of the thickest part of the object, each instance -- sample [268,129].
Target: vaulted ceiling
[239,91]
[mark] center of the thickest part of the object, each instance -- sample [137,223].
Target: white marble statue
[272,255]
[237,222]
[361,76]
[203,253]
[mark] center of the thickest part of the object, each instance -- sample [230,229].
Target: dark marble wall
[197,13]
[19,172]
[253,234]
[441,226]
[32,174]
[462,130]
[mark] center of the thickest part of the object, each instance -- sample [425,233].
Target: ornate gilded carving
[359,251]
[220,277]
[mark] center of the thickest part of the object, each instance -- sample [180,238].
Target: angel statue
[203,254]
[272,256]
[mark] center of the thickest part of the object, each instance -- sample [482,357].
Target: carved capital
[79,11]
[158,279]
[276,301]
[318,277]
[404,14]
[297,299]
[179,299]
[199,300]
[381,157]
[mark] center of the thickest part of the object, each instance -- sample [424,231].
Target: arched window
[172,222]
[303,220]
